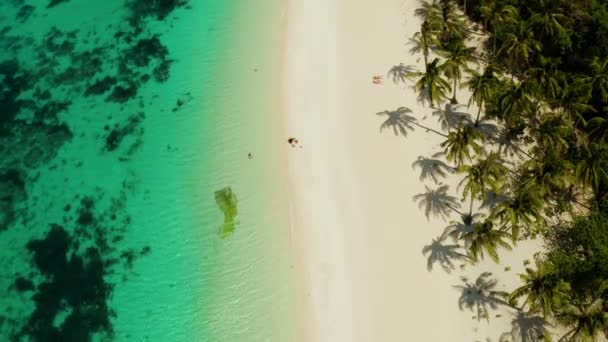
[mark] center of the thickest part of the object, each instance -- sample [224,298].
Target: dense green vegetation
[533,154]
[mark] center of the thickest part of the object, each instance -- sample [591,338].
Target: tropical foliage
[534,153]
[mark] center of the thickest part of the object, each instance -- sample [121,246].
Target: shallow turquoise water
[116,130]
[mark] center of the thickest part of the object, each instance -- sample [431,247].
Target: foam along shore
[357,233]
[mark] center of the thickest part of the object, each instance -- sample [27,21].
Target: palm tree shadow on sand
[492,200]
[401,122]
[457,229]
[433,168]
[401,73]
[449,118]
[437,202]
[486,127]
[508,143]
[480,296]
[437,252]
[525,327]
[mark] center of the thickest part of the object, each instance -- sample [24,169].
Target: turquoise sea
[141,184]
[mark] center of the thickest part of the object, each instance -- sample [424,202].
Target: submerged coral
[68,285]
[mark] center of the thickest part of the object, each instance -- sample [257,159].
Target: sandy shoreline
[356,232]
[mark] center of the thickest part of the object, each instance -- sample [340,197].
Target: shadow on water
[480,296]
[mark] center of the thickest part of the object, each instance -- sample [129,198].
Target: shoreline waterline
[258,295]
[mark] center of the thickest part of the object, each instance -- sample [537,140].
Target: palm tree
[573,103]
[453,25]
[597,82]
[486,174]
[423,41]
[482,87]
[437,202]
[430,11]
[497,17]
[588,318]
[484,239]
[542,288]
[431,85]
[515,102]
[553,132]
[547,80]
[458,56]
[519,46]
[432,168]
[591,167]
[521,209]
[598,129]
[550,171]
[461,144]
[549,23]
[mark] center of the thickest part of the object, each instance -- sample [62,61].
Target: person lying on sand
[377,79]
[292,141]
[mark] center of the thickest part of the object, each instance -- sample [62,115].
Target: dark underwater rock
[54,3]
[25,12]
[158,9]
[118,133]
[100,86]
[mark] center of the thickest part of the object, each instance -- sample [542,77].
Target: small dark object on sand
[250,155]
[293,142]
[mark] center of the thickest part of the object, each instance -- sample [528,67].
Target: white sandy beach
[357,233]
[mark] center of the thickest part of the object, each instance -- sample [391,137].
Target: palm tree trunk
[471,206]
[521,308]
[454,101]
[478,114]
[430,90]
[425,52]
